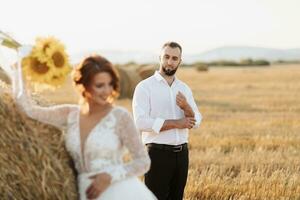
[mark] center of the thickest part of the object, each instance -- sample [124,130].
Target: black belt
[173,148]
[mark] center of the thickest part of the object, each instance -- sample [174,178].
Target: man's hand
[183,104]
[100,183]
[187,122]
[181,101]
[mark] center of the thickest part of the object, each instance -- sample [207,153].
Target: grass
[248,145]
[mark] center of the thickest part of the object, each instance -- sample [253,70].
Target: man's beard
[169,72]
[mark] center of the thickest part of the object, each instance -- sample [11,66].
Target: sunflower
[58,60]
[48,63]
[41,46]
[35,70]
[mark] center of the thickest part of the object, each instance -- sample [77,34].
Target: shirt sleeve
[53,115]
[130,139]
[141,111]
[192,103]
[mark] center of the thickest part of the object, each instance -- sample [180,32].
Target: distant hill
[235,53]
[242,52]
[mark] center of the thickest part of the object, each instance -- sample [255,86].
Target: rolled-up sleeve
[141,111]
[157,124]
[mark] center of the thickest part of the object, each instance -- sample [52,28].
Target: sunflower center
[55,77]
[38,67]
[58,59]
[46,46]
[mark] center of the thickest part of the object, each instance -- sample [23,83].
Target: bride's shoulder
[72,108]
[73,112]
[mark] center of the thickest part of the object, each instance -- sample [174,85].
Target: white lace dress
[103,149]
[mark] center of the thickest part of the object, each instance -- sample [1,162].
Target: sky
[144,25]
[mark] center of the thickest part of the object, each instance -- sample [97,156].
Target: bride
[97,133]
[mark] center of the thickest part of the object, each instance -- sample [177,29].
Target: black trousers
[168,173]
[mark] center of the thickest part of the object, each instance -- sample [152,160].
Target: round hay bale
[129,78]
[4,77]
[34,163]
[132,67]
[202,67]
[4,87]
[146,71]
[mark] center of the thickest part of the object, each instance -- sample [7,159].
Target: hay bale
[129,78]
[34,163]
[146,71]
[202,67]
[4,77]
[4,86]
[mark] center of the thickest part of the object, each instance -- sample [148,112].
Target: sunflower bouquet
[47,63]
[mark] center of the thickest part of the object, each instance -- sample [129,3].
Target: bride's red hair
[89,67]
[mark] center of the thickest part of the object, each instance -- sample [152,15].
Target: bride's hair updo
[88,68]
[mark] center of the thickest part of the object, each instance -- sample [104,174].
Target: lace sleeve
[130,138]
[54,115]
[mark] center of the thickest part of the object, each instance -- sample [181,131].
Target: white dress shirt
[154,101]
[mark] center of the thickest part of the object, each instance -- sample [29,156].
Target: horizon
[137,25]
[148,57]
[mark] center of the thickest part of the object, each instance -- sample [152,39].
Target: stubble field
[248,145]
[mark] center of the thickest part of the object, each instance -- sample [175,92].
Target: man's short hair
[172,45]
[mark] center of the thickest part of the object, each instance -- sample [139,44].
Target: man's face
[170,59]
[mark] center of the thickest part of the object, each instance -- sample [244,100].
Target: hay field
[248,145]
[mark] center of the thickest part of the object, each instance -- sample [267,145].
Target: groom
[164,109]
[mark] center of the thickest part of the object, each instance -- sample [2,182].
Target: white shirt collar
[159,77]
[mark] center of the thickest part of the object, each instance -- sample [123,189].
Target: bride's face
[100,89]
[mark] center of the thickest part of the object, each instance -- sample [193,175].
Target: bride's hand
[100,183]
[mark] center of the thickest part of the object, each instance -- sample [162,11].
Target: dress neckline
[82,144]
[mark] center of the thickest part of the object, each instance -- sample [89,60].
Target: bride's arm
[54,115]
[130,138]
